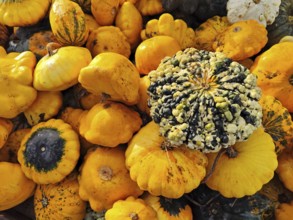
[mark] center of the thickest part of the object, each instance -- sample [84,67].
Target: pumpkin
[104,178]
[6,127]
[284,211]
[49,152]
[85,5]
[108,39]
[207,32]
[204,100]
[15,187]
[283,24]
[160,168]
[150,52]
[241,40]
[11,12]
[277,122]
[274,70]
[285,168]
[131,208]
[262,11]
[167,25]
[10,149]
[149,7]
[41,109]
[169,209]
[60,200]
[113,76]
[16,77]
[129,21]
[59,70]
[109,124]
[244,167]
[68,23]
[105,11]
[4,35]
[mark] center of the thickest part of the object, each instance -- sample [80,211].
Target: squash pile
[129,109]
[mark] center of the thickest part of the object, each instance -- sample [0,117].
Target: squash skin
[68,23]
[59,69]
[277,122]
[248,170]
[49,160]
[41,110]
[113,76]
[11,12]
[131,208]
[6,127]
[104,178]
[15,188]
[169,209]
[160,170]
[274,69]
[241,40]
[16,81]
[109,124]
[60,200]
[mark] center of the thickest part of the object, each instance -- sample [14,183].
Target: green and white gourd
[204,100]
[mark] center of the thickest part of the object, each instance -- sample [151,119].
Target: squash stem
[166,146]
[220,153]
[231,152]
[51,48]
[133,216]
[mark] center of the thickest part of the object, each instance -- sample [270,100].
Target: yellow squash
[16,77]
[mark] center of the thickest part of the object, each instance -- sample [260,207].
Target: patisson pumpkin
[16,80]
[244,167]
[160,168]
[60,200]
[49,152]
[15,187]
[104,178]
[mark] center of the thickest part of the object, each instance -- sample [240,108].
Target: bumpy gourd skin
[204,100]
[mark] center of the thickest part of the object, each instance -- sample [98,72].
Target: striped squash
[68,23]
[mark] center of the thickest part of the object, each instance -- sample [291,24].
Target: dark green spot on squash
[44,149]
[173,206]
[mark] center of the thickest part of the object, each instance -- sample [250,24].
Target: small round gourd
[15,187]
[104,179]
[12,12]
[131,208]
[245,167]
[60,200]
[160,168]
[49,152]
